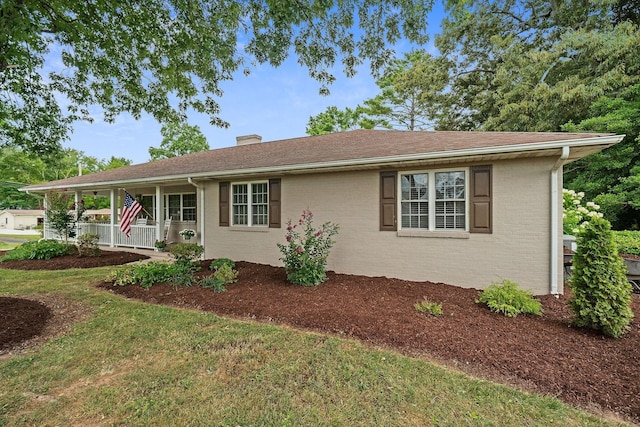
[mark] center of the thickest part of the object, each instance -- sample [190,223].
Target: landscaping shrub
[216,264]
[42,249]
[426,306]
[63,214]
[601,292]
[506,298]
[575,216]
[305,254]
[210,282]
[144,274]
[627,242]
[88,244]
[186,257]
[224,274]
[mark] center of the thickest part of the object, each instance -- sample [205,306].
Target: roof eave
[373,162]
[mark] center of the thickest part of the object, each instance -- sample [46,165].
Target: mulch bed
[543,354]
[105,258]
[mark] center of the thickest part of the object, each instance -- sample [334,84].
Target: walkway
[153,255]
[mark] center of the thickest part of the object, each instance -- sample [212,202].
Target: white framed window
[434,200]
[250,204]
[180,207]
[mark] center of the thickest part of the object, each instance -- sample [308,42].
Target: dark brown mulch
[21,319]
[543,354]
[105,258]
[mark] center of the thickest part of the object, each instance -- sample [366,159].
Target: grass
[4,246]
[132,363]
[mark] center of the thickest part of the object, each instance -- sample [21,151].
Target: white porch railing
[142,236]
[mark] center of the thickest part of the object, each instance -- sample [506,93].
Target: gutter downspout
[201,214]
[554,218]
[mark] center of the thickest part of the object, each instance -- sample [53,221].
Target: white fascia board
[372,162]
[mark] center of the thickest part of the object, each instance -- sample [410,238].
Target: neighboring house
[464,208]
[20,219]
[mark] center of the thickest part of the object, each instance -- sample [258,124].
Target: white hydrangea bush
[576,216]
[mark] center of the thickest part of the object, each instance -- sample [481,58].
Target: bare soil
[542,354]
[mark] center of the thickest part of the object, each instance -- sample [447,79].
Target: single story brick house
[21,219]
[464,208]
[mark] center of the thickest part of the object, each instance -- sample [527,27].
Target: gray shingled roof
[359,147]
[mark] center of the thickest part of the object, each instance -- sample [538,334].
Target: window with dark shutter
[388,204]
[223,189]
[480,200]
[274,203]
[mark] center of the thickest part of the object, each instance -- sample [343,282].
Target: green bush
[187,251]
[41,249]
[216,264]
[305,253]
[627,242]
[426,306]
[211,282]
[144,274]
[223,275]
[601,292]
[506,298]
[88,244]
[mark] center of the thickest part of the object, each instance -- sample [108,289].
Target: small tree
[60,213]
[601,293]
[305,253]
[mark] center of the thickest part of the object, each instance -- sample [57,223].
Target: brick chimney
[248,139]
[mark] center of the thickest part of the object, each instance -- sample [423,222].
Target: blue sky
[275,103]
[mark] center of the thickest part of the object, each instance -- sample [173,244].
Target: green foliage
[612,177]
[41,249]
[601,293]
[62,214]
[305,254]
[224,274]
[627,242]
[575,216]
[183,273]
[217,263]
[145,274]
[426,306]
[187,255]
[334,120]
[167,59]
[186,251]
[506,298]
[88,244]
[179,139]
[209,282]
[408,90]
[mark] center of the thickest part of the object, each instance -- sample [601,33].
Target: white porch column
[159,213]
[77,198]
[114,217]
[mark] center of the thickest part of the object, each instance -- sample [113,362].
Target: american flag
[131,209]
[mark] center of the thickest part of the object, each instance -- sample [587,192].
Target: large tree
[408,88]
[533,65]
[333,119]
[165,58]
[178,139]
[612,177]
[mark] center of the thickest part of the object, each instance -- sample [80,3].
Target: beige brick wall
[518,249]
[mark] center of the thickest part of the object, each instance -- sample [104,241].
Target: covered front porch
[167,209]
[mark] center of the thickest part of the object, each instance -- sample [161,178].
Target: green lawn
[4,246]
[137,364]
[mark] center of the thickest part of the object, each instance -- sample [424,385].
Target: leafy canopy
[168,58]
[179,139]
